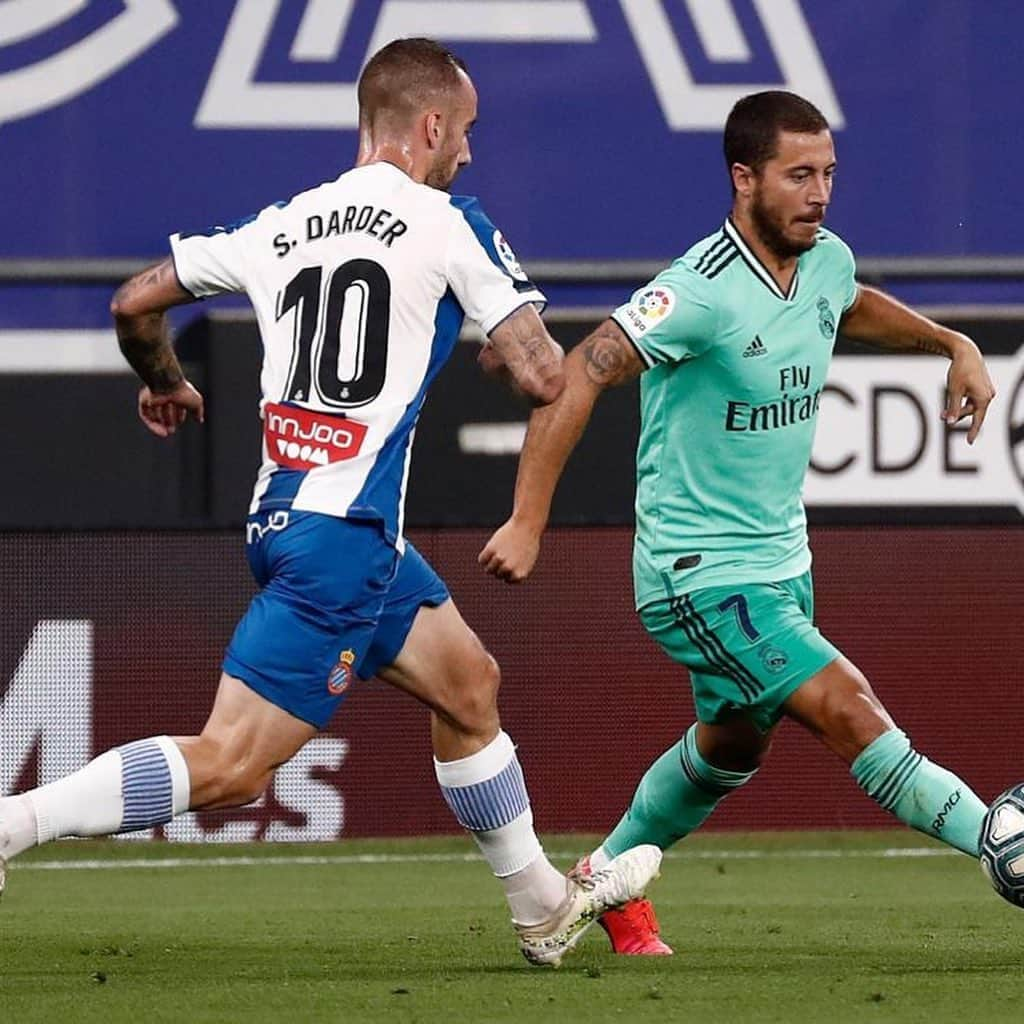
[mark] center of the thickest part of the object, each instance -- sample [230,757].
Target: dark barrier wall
[113,636]
[76,455]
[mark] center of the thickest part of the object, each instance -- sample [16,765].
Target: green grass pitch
[791,928]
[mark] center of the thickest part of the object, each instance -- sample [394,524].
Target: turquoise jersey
[729,403]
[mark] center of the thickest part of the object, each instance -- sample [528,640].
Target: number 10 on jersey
[340,346]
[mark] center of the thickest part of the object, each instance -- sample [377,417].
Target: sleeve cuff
[177,272]
[645,357]
[531,298]
[183,279]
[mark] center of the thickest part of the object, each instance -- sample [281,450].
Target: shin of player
[681,789]
[132,787]
[487,794]
[150,781]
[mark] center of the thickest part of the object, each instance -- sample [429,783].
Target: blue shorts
[336,603]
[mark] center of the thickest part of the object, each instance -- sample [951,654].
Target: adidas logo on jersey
[755,348]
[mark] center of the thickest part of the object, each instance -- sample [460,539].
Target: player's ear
[432,127]
[742,178]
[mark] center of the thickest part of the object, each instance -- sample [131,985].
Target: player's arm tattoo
[522,349]
[609,357]
[930,345]
[150,355]
[139,308]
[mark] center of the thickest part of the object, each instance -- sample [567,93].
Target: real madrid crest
[826,318]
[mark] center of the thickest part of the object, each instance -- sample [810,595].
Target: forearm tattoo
[144,337]
[929,345]
[526,348]
[149,353]
[536,351]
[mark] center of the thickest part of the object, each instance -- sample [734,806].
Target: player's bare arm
[139,309]
[604,359]
[521,352]
[878,319]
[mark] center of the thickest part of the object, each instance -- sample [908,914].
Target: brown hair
[404,76]
[752,130]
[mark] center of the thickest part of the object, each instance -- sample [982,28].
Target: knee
[748,758]
[736,745]
[839,706]
[852,716]
[472,703]
[754,757]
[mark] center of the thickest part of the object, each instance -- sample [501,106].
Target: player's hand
[491,362]
[164,411]
[969,388]
[489,359]
[511,553]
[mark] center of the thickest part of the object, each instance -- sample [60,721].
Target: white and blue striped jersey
[360,287]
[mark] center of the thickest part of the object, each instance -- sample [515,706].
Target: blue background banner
[574,156]
[600,120]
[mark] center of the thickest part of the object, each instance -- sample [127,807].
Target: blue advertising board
[600,120]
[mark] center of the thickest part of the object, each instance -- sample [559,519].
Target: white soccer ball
[1002,845]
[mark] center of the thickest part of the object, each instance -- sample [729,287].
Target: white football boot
[4,840]
[17,832]
[624,879]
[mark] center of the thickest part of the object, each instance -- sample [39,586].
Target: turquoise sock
[921,794]
[675,795]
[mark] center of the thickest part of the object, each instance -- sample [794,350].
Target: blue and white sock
[136,786]
[487,794]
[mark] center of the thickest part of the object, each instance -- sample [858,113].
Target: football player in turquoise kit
[734,341]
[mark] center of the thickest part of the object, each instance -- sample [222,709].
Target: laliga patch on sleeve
[649,308]
[508,257]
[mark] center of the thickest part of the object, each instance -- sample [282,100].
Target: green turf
[782,937]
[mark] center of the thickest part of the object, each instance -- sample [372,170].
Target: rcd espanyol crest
[340,677]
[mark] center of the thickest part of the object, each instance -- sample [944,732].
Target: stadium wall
[111,636]
[78,457]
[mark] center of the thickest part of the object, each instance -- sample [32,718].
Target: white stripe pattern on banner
[61,351]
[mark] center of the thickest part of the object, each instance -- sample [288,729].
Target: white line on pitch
[455,858]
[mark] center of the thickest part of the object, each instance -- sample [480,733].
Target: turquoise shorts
[748,647]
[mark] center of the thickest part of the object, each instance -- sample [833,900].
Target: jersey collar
[759,269]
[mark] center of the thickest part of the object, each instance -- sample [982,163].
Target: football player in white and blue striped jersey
[360,287]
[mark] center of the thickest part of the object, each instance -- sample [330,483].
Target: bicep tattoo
[608,356]
[157,287]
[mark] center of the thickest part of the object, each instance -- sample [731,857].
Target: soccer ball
[1002,845]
